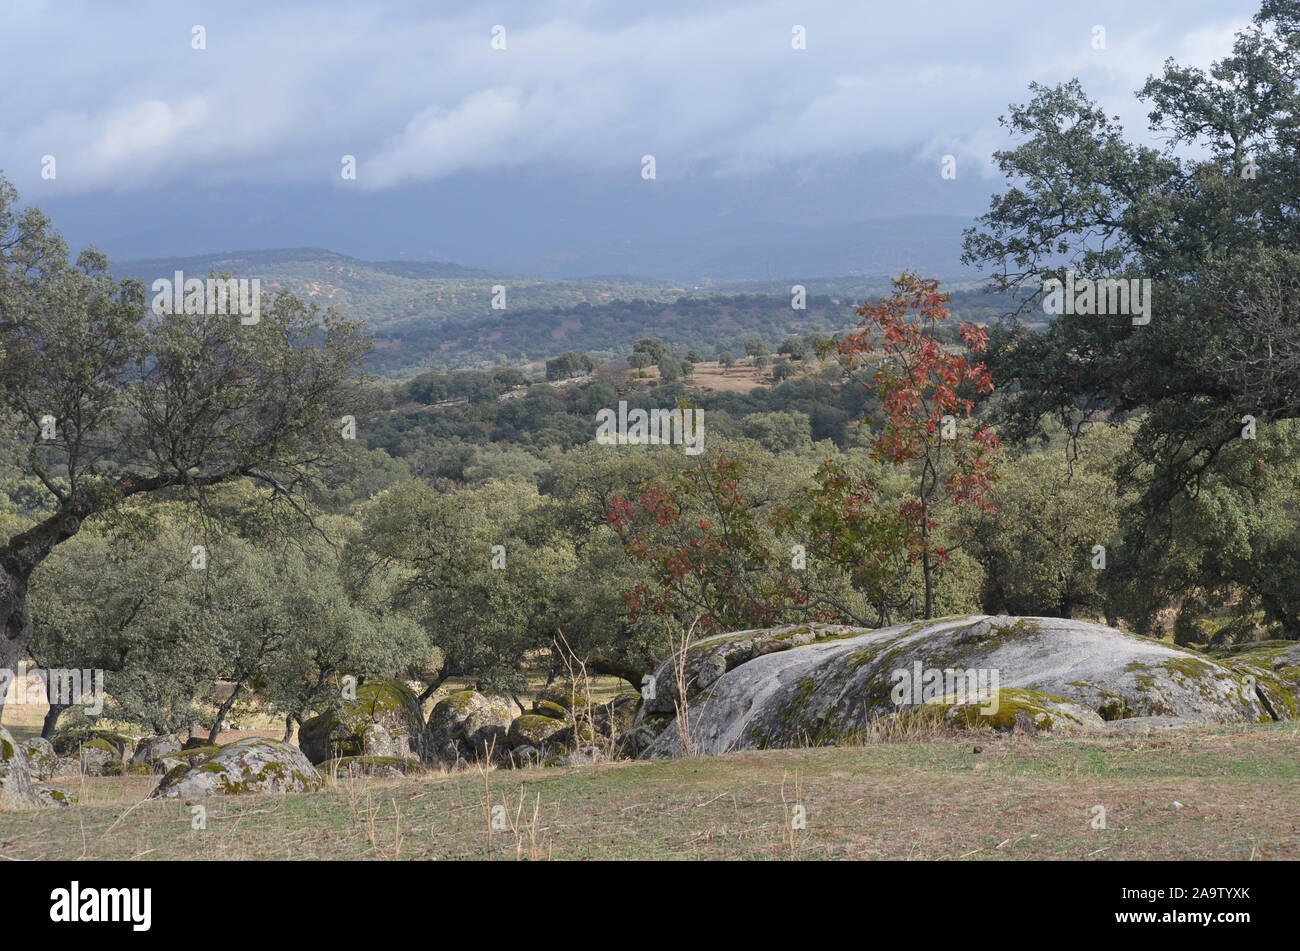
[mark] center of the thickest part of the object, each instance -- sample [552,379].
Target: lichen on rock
[466,724]
[819,684]
[384,720]
[252,765]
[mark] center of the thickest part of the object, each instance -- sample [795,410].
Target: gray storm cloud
[417,93]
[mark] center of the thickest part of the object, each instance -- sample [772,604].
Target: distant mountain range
[437,314]
[385,293]
[265,264]
[869,216]
[739,251]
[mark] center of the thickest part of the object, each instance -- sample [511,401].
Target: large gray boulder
[93,752]
[151,749]
[465,725]
[384,720]
[817,684]
[18,790]
[47,795]
[252,765]
[42,761]
[534,730]
[1274,667]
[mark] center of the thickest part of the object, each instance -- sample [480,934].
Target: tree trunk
[926,570]
[288,727]
[18,560]
[51,720]
[927,573]
[221,713]
[433,685]
[616,668]
[15,621]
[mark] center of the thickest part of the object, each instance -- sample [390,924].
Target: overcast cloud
[116,93]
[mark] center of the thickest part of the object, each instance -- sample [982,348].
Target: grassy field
[1018,798]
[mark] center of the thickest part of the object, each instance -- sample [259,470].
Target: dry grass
[741,378]
[1020,797]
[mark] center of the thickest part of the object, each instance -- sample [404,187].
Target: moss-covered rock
[466,724]
[1029,711]
[54,797]
[572,738]
[631,743]
[99,757]
[532,729]
[384,720]
[165,764]
[42,761]
[1274,668]
[551,709]
[16,788]
[709,659]
[387,766]
[70,742]
[619,715]
[563,693]
[90,751]
[150,750]
[819,684]
[253,765]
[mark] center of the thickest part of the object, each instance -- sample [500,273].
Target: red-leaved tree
[923,387]
[704,546]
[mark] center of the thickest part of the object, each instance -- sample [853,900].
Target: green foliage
[783,370]
[779,432]
[1052,508]
[267,613]
[796,347]
[670,368]
[479,568]
[113,402]
[1208,220]
[569,364]
[1231,551]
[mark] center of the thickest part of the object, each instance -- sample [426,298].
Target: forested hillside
[433,315]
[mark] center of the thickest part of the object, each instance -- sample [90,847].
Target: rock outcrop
[1274,667]
[534,730]
[817,684]
[465,725]
[18,790]
[384,720]
[42,761]
[252,765]
[149,752]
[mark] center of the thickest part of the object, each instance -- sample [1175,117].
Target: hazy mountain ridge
[439,315]
[384,293]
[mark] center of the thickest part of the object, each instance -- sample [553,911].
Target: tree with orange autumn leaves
[710,565]
[715,567]
[923,388]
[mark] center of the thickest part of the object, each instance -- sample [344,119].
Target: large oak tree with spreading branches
[144,403]
[1211,218]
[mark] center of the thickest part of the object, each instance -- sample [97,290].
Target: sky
[531,157]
